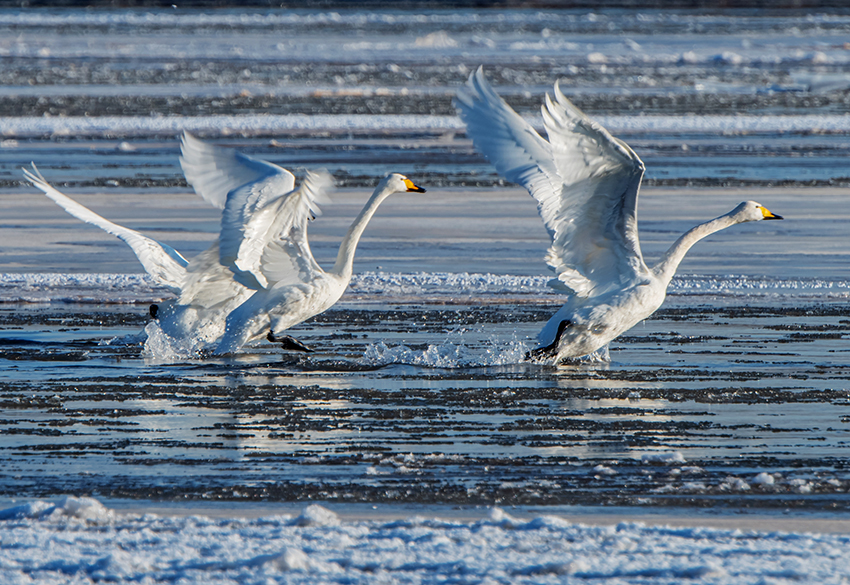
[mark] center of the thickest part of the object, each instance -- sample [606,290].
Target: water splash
[449,354]
[161,348]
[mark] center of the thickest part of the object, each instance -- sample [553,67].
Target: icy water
[734,396]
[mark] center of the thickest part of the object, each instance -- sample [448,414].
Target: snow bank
[139,288]
[65,509]
[318,547]
[142,125]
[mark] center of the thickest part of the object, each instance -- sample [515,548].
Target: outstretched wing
[214,171]
[585,182]
[162,262]
[271,245]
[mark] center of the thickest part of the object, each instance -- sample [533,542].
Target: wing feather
[517,151]
[584,180]
[595,217]
[209,285]
[165,264]
[214,171]
[272,243]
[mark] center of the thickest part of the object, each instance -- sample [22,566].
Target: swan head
[752,211]
[397,183]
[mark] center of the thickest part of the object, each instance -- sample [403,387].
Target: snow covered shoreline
[763,521]
[81,541]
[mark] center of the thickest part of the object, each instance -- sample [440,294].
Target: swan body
[290,286]
[207,288]
[586,184]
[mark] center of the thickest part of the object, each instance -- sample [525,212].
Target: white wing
[584,180]
[210,285]
[214,171]
[271,244]
[162,262]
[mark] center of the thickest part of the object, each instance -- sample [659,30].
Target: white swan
[586,185]
[260,271]
[274,258]
[207,290]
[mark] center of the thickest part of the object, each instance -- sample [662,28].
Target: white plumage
[290,286]
[586,184]
[259,277]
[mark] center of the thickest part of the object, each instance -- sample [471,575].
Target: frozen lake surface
[418,427]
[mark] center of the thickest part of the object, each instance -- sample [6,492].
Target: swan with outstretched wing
[586,184]
[259,278]
[208,287]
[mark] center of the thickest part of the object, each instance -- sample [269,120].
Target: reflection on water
[687,411]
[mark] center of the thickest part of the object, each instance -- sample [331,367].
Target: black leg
[552,349]
[288,343]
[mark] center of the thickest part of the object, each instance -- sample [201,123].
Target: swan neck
[669,263]
[345,257]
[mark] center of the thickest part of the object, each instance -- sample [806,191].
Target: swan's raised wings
[161,261]
[271,246]
[594,219]
[584,180]
[214,171]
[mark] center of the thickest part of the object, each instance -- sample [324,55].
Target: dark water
[696,403]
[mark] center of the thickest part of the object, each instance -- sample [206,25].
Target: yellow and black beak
[768,215]
[411,188]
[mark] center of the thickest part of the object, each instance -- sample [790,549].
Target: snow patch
[316,515]
[140,288]
[436,40]
[319,547]
[282,123]
[67,507]
[292,559]
[763,479]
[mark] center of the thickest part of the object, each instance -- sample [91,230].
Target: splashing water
[497,352]
[600,356]
[162,348]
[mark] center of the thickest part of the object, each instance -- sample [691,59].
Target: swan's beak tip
[769,214]
[412,187]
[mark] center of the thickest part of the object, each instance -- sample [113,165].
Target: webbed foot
[288,342]
[550,350]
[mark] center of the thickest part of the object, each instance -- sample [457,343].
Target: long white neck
[666,267]
[345,256]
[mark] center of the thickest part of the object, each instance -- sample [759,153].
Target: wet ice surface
[731,402]
[703,405]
